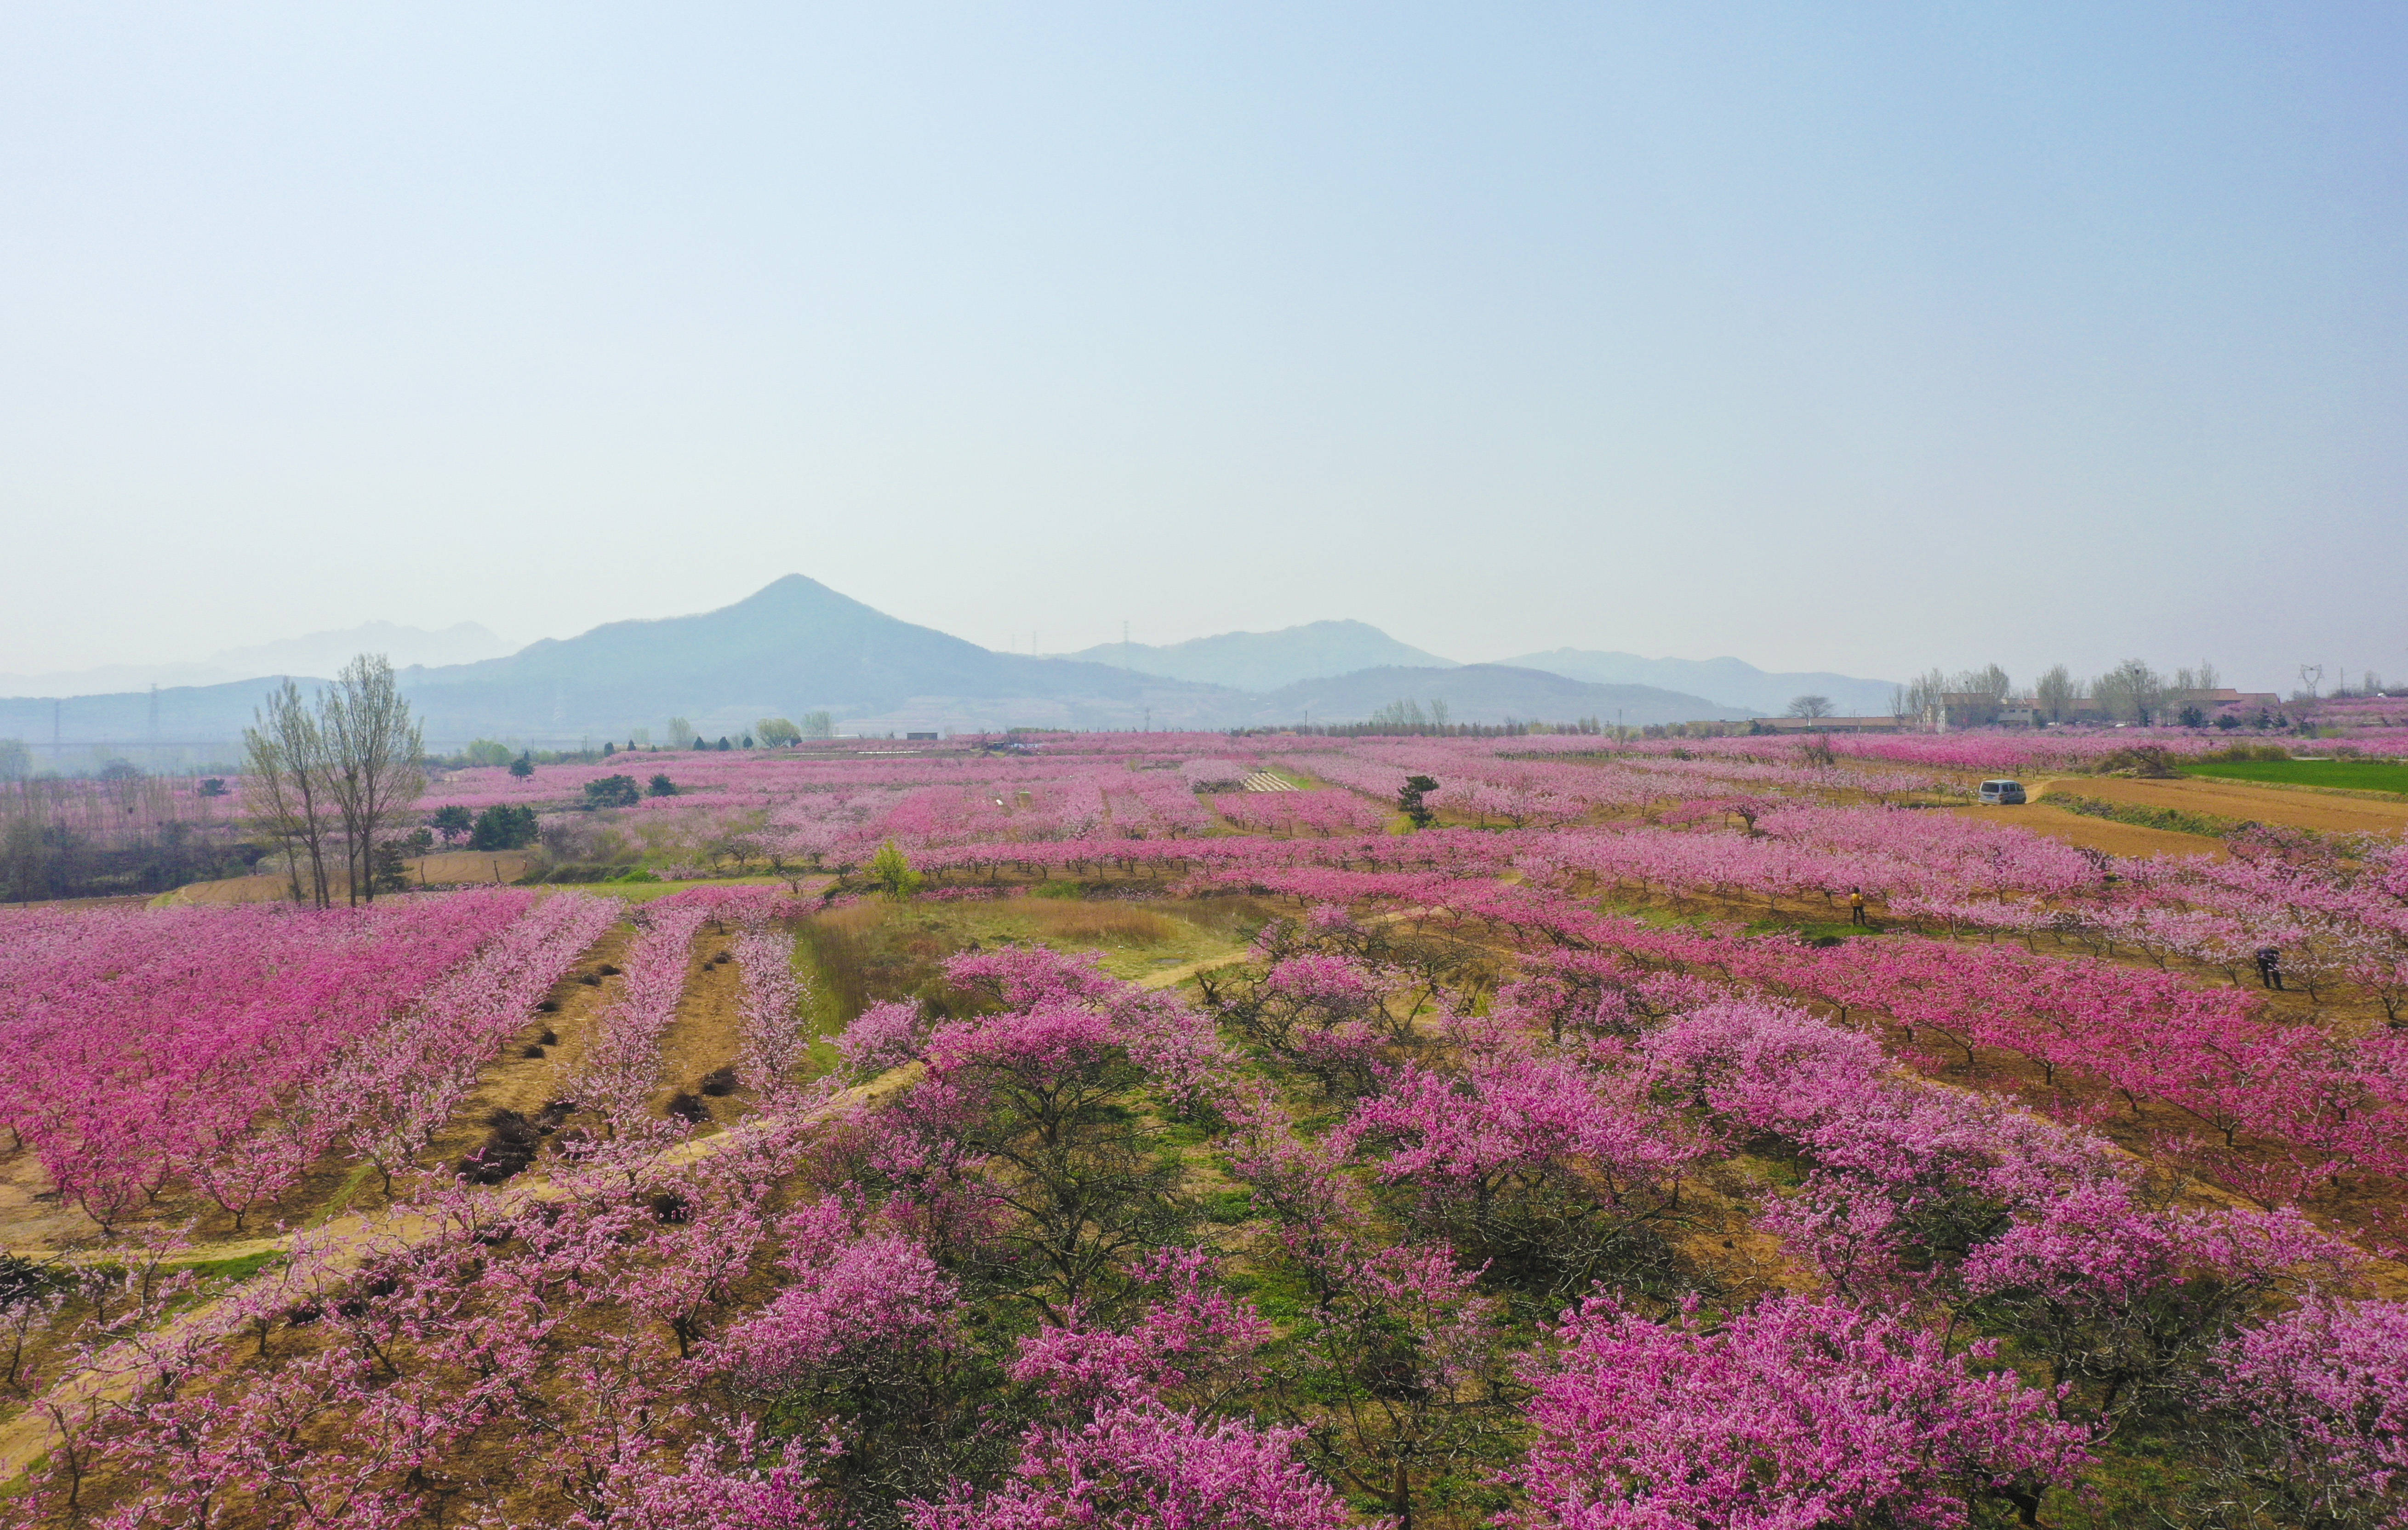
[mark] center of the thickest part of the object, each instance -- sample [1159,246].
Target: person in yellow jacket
[1855,906]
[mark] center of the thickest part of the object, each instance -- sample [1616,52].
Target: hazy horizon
[1859,341]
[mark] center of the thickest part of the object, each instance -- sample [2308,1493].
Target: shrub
[612,792]
[504,827]
[891,869]
[507,1149]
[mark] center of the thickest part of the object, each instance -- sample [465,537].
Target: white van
[2003,791]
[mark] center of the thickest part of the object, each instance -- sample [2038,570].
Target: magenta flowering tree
[216,1047]
[1045,1112]
[2310,1410]
[861,1318]
[1790,1415]
[884,1035]
[866,1352]
[1553,1173]
[1195,1343]
[618,1076]
[1131,1435]
[778,1028]
[2132,1303]
[1138,1464]
[1596,995]
[1398,1376]
[1326,1013]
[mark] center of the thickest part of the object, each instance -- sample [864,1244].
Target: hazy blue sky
[1860,337]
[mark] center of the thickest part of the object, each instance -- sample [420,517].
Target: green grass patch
[880,950]
[340,1201]
[241,1268]
[1813,931]
[1227,1207]
[647,892]
[2349,774]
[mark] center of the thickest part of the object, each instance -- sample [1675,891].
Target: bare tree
[1810,707]
[2132,689]
[2056,692]
[1989,681]
[286,792]
[1921,696]
[372,749]
[1970,698]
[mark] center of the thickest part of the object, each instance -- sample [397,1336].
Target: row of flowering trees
[1412,1222]
[2319,1103]
[222,1050]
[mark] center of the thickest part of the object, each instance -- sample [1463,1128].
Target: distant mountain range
[796,646]
[318,654]
[1728,680]
[1487,694]
[1265,661]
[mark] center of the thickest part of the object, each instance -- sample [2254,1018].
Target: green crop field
[2360,775]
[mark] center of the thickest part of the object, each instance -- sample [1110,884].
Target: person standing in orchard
[2269,967]
[1855,906]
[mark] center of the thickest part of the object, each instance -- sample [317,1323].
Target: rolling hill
[1486,693]
[796,646]
[1729,682]
[1265,661]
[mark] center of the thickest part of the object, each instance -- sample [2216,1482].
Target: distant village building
[1960,710]
[2027,711]
[1883,724]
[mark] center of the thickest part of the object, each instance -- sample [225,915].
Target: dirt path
[709,1026]
[515,1081]
[1172,976]
[348,1241]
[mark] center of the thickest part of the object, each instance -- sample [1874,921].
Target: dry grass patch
[1120,923]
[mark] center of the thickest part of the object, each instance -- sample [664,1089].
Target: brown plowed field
[2241,799]
[444,868]
[2102,834]
[516,1082]
[709,1026]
